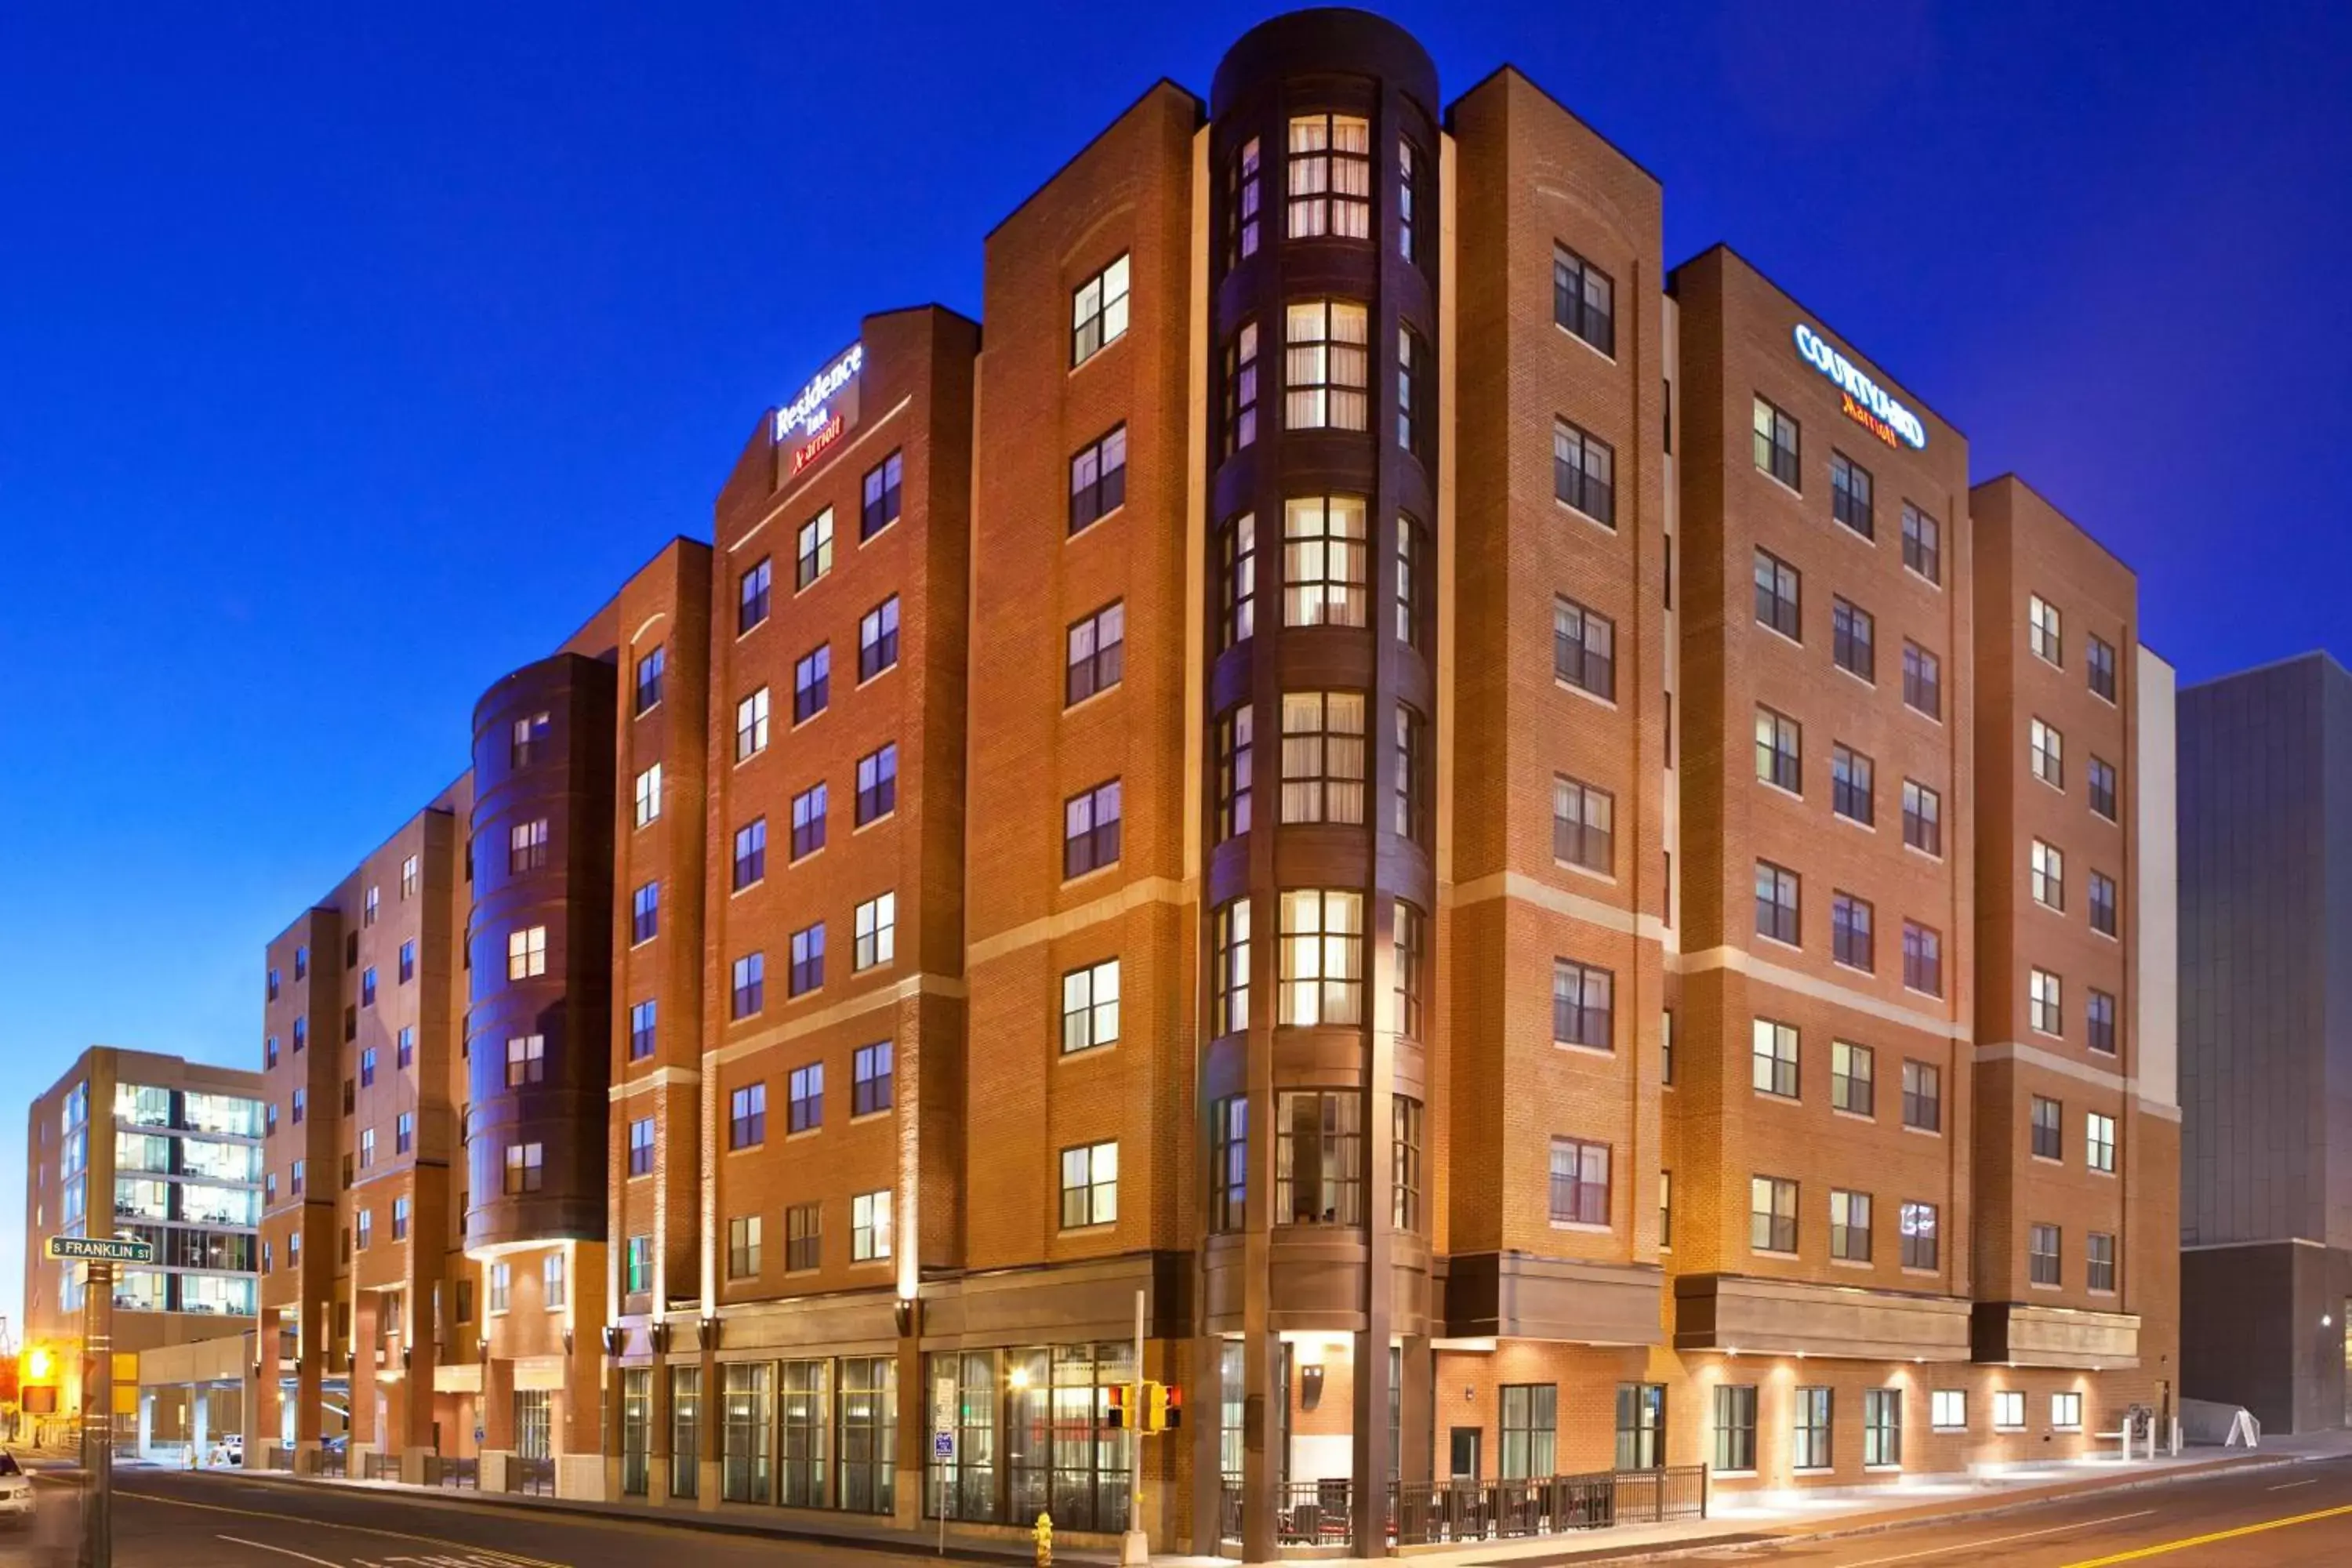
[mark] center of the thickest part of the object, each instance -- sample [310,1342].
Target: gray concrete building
[2265,780]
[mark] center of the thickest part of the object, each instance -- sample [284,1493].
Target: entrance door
[1463,1453]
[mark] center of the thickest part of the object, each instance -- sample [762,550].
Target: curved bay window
[1322,957]
[1236,580]
[1240,423]
[1231,1004]
[1319,1158]
[1327,365]
[1233,732]
[1323,562]
[1241,199]
[1331,176]
[1323,756]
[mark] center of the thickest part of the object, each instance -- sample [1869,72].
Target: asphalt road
[165,1520]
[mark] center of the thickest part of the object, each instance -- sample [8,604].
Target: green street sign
[101,1249]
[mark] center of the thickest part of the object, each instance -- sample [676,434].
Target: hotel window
[1323,562]
[302,956]
[1948,1409]
[749,991]
[1923,680]
[404,1047]
[369,904]
[1404,1163]
[1322,958]
[1322,756]
[1771,1215]
[1923,818]
[877,638]
[804,1104]
[1327,365]
[875,938]
[367,1148]
[871,1085]
[1850,494]
[1850,785]
[1580,1182]
[408,871]
[1240,423]
[1881,1428]
[649,795]
[2042,1255]
[2047,754]
[2103,789]
[1853,640]
[2103,904]
[1319,1158]
[407,961]
[877,784]
[641,1029]
[525,1061]
[1812,1444]
[2099,1142]
[1778,587]
[1414,401]
[747,1117]
[751,853]
[1234,729]
[751,596]
[1411,196]
[367,986]
[1089,1185]
[400,1219]
[1236,580]
[803,1238]
[1098,479]
[273,986]
[1853,1078]
[645,913]
[1413,585]
[743,1251]
[1098,312]
[2047,875]
[2099,1020]
[301,1103]
[525,1167]
[1583,1005]
[1584,650]
[1408,944]
[1775,444]
[2100,661]
[1923,1096]
[1735,1428]
[1772,1053]
[1583,824]
[1529,1430]
[637,1275]
[2099,1261]
[2041,631]
[1231,1013]
[808,821]
[1921,547]
[752,725]
[807,972]
[366,1228]
[1583,300]
[367,1067]
[1584,473]
[1666,1209]
[641,1147]
[883,495]
[1850,935]
[1095,655]
[1775,902]
[1090,825]
[2009,1410]
[1090,1006]
[2049,1138]
[812,552]
[1242,198]
[1409,819]
[869,1227]
[2066,1412]
[1641,1426]
[527,953]
[812,683]
[1918,1228]
[551,1280]
[2045,997]
[1779,751]
[1923,959]
[528,744]
[1330,177]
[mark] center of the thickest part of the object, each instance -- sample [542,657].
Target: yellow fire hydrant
[1042,1534]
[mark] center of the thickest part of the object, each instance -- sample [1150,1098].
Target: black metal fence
[458,1475]
[277,1456]
[1319,1513]
[376,1467]
[1315,1513]
[334,1462]
[1656,1497]
[536,1476]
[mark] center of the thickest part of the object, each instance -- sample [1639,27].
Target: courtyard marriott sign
[1867,403]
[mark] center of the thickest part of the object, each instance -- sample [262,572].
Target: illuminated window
[1850,1226]
[2042,633]
[1580,1182]
[1322,756]
[1327,365]
[1772,1058]
[1331,176]
[1090,1006]
[2046,751]
[1322,952]
[1853,1078]
[1098,312]
[869,1227]
[649,795]
[525,1171]
[1779,751]
[876,923]
[812,556]
[526,1060]
[752,725]
[1771,1215]
[2045,998]
[527,953]
[1232,980]
[1089,1185]
[1775,444]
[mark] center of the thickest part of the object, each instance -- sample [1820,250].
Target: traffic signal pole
[97,1393]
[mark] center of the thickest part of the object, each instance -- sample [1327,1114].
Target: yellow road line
[2159,1551]
[354,1529]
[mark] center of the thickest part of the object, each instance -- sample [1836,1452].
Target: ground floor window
[685,1431]
[1882,1426]
[806,1402]
[534,1424]
[869,1431]
[1734,1427]
[1813,1429]
[1032,1435]
[2066,1412]
[1530,1429]
[1641,1426]
[747,1411]
[1948,1409]
[1232,1406]
[2008,1410]
[636,1430]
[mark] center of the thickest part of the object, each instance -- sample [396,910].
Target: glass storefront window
[869,1427]
[806,1400]
[685,1431]
[747,1410]
[636,1430]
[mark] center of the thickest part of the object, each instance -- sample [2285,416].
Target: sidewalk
[1736,1520]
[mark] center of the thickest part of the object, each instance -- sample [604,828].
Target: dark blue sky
[349,357]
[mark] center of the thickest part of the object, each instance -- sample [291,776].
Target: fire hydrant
[1042,1534]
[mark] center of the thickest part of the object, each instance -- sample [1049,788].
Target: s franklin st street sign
[101,1249]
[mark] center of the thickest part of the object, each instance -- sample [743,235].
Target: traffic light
[1163,1407]
[1115,1417]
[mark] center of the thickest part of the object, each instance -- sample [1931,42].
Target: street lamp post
[101,1253]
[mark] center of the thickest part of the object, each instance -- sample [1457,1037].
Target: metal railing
[334,1462]
[1319,1513]
[458,1475]
[1655,1497]
[1315,1513]
[534,1476]
[376,1467]
[277,1456]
